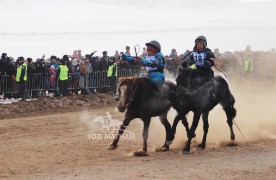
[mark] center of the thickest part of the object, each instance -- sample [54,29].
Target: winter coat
[82,69]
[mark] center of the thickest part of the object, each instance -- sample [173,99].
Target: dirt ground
[52,105]
[53,138]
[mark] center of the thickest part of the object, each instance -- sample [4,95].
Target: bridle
[132,93]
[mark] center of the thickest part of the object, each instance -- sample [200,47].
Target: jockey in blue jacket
[154,63]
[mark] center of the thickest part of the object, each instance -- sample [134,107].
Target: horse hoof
[201,146]
[164,148]
[111,147]
[140,153]
[185,152]
[168,143]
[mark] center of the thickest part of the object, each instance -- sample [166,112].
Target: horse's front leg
[205,129]
[175,122]
[185,123]
[192,132]
[143,151]
[113,144]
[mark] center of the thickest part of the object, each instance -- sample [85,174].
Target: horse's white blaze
[123,90]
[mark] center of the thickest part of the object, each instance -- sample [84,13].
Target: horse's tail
[231,111]
[227,100]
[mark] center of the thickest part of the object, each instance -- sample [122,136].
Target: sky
[53,16]
[247,21]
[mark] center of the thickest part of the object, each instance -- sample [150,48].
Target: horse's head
[126,91]
[183,78]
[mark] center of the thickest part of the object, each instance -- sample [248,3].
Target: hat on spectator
[53,57]
[62,61]
[65,58]
[20,58]
[29,60]
[87,56]
[104,52]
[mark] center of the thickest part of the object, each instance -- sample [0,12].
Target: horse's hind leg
[144,150]
[113,144]
[169,132]
[230,113]
[205,129]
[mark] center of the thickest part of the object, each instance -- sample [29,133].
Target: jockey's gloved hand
[207,64]
[137,60]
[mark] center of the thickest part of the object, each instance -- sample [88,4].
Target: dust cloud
[256,118]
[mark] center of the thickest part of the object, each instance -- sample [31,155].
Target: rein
[132,93]
[221,72]
[196,90]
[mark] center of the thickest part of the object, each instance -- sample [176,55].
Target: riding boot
[158,84]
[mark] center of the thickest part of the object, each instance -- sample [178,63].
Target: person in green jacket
[112,73]
[21,77]
[62,76]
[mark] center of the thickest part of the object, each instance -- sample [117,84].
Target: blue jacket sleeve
[128,58]
[150,63]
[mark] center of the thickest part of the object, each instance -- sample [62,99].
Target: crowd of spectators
[233,63]
[262,63]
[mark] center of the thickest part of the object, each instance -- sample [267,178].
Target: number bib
[149,59]
[199,58]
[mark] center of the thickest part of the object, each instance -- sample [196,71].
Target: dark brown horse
[142,100]
[201,100]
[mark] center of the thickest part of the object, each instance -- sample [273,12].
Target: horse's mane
[133,80]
